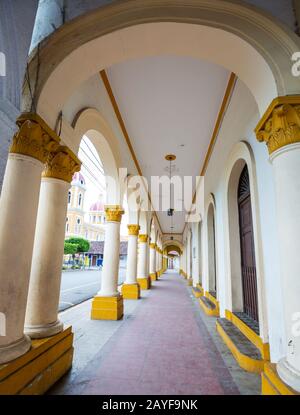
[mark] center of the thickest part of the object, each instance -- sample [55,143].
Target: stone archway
[241,37]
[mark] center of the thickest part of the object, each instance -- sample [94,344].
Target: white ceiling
[167,102]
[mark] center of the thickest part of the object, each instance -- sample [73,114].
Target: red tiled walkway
[163,348]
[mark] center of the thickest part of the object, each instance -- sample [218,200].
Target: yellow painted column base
[153,276]
[190,282]
[271,383]
[131,291]
[144,283]
[107,308]
[38,369]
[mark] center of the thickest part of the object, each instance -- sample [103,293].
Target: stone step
[208,306]
[245,352]
[198,292]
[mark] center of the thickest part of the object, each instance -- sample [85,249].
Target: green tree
[82,244]
[70,248]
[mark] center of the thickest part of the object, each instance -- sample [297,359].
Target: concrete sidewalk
[164,345]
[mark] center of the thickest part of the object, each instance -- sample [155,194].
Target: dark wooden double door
[248,265]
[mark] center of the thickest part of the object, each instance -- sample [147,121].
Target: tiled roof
[97,247]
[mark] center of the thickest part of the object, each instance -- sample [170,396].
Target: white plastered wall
[238,125]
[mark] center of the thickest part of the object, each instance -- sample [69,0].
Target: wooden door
[249,281]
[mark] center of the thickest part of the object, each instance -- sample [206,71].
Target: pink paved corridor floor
[162,348]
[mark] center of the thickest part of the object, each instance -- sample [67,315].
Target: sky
[93,172]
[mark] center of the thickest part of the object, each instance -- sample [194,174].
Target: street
[80,285]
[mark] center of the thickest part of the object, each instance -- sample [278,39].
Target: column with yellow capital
[152,261]
[30,149]
[160,262]
[157,262]
[280,130]
[143,277]
[108,303]
[131,288]
[45,278]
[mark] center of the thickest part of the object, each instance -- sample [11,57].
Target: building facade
[78,223]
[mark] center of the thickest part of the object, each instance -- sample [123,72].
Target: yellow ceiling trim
[228,92]
[115,106]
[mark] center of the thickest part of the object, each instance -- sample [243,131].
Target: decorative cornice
[34,138]
[152,246]
[280,125]
[113,213]
[143,238]
[62,164]
[133,230]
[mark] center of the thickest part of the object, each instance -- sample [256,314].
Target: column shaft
[131,289]
[45,278]
[108,303]
[152,261]
[143,277]
[18,212]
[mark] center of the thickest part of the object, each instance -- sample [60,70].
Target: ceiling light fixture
[170,158]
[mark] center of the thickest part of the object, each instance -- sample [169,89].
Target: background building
[88,225]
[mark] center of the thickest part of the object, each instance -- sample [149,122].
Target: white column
[286,164]
[108,303]
[142,257]
[131,271]
[195,259]
[111,254]
[44,289]
[18,211]
[280,129]
[188,258]
[157,260]
[152,261]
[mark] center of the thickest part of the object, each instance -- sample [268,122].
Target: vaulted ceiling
[169,105]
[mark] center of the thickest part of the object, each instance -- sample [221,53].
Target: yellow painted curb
[197,294]
[251,365]
[250,334]
[208,311]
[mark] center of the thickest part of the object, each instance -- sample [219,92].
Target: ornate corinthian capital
[143,238]
[153,246]
[133,229]
[62,164]
[280,125]
[34,138]
[113,213]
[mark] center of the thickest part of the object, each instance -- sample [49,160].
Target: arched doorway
[211,240]
[248,263]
